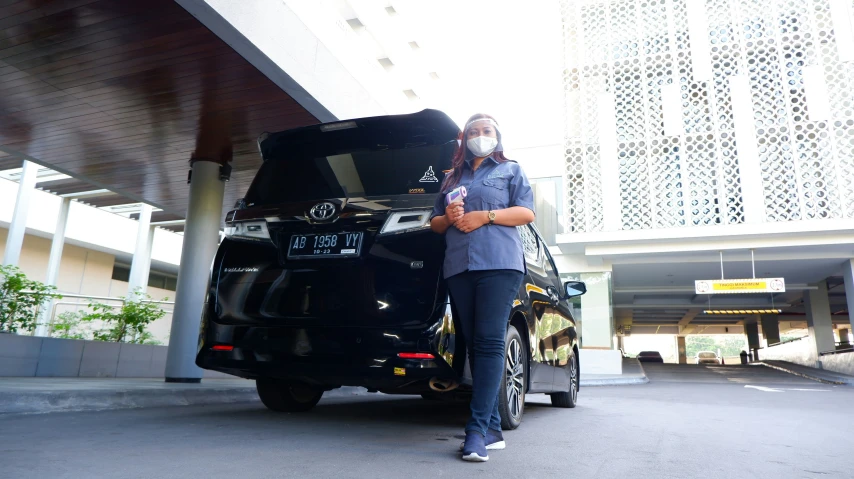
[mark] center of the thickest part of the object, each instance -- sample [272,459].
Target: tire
[514,383]
[284,397]
[569,398]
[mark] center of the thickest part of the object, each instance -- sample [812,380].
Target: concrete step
[633,374]
[45,395]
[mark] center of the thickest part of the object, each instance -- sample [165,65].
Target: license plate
[329,245]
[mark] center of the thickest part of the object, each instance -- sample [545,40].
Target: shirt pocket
[496,190]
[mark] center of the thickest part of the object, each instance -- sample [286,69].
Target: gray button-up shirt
[494,186]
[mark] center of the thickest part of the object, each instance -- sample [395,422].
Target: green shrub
[20,300]
[67,326]
[125,324]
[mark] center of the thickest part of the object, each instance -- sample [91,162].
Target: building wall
[99,229]
[687,113]
[81,270]
[594,311]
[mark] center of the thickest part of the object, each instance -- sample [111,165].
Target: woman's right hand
[454,211]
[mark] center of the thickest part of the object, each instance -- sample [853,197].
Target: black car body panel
[331,316]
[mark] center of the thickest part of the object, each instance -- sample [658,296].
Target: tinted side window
[530,244]
[551,270]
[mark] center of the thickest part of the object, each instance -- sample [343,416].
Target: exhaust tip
[442,385]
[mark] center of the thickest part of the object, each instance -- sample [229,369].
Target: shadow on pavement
[361,412]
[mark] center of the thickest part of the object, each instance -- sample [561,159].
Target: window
[530,244]
[121,272]
[304,175]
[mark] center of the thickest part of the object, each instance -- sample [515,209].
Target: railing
[787,341]
[841,347]
[54,305]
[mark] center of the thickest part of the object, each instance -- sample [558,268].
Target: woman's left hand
[472,221]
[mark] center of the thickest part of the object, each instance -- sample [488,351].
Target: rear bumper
[327,357]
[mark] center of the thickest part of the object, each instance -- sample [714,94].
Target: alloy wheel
[573,379]
[515,378]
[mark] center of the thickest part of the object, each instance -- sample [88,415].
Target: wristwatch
[491,216]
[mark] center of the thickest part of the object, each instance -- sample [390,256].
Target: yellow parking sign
[740,286]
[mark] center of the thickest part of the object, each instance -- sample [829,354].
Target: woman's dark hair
[452,179]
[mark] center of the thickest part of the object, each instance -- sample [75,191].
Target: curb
[614,382]
[813,377]
[100,400]
[627,381]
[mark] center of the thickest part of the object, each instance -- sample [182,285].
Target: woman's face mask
[482,137]
[482,145]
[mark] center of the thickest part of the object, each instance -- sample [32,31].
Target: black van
[329,276]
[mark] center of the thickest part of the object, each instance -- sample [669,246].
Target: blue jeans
[483,300]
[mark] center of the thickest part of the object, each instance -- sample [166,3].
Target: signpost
[740,286]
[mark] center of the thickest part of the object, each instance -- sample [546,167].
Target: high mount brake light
[415,356]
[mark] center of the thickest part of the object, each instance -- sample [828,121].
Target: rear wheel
[287,397]
[511,401]
[570,397]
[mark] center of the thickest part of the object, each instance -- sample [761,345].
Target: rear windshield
[707,355]
[372,173]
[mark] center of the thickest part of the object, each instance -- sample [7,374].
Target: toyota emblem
[322,211]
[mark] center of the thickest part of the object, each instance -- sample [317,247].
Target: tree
[695,344]
[730,345]
[20,300]
[126,324]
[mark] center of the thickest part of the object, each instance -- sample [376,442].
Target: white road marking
[780,390]
[762,388]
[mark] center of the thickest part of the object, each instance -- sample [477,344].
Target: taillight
[415,356]
[222,347]
[255,230]
[406,221]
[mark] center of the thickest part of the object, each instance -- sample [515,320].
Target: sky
[502,57]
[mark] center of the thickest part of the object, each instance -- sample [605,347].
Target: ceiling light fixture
[743,311]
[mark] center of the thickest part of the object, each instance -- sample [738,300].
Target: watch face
[491,216]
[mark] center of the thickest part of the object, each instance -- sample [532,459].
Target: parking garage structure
[705,142]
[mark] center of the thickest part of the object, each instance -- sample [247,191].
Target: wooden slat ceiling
[67,186]
[9,162]
[113,92]
[159,216]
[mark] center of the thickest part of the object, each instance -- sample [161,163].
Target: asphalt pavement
[687,422]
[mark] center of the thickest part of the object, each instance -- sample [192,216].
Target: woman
[484,264]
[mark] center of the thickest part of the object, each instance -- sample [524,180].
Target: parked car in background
[707,357]
[330,276]
[650,357]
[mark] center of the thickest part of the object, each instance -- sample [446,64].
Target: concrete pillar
[843,337]
[751,329]
[848,274]
[56,245]
[820,323]
[18,227]
[142,253]
[681,350]
[201,237]
[770,328]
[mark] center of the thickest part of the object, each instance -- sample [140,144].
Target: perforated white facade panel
[672,69]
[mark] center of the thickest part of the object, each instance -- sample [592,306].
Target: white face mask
[482,145]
